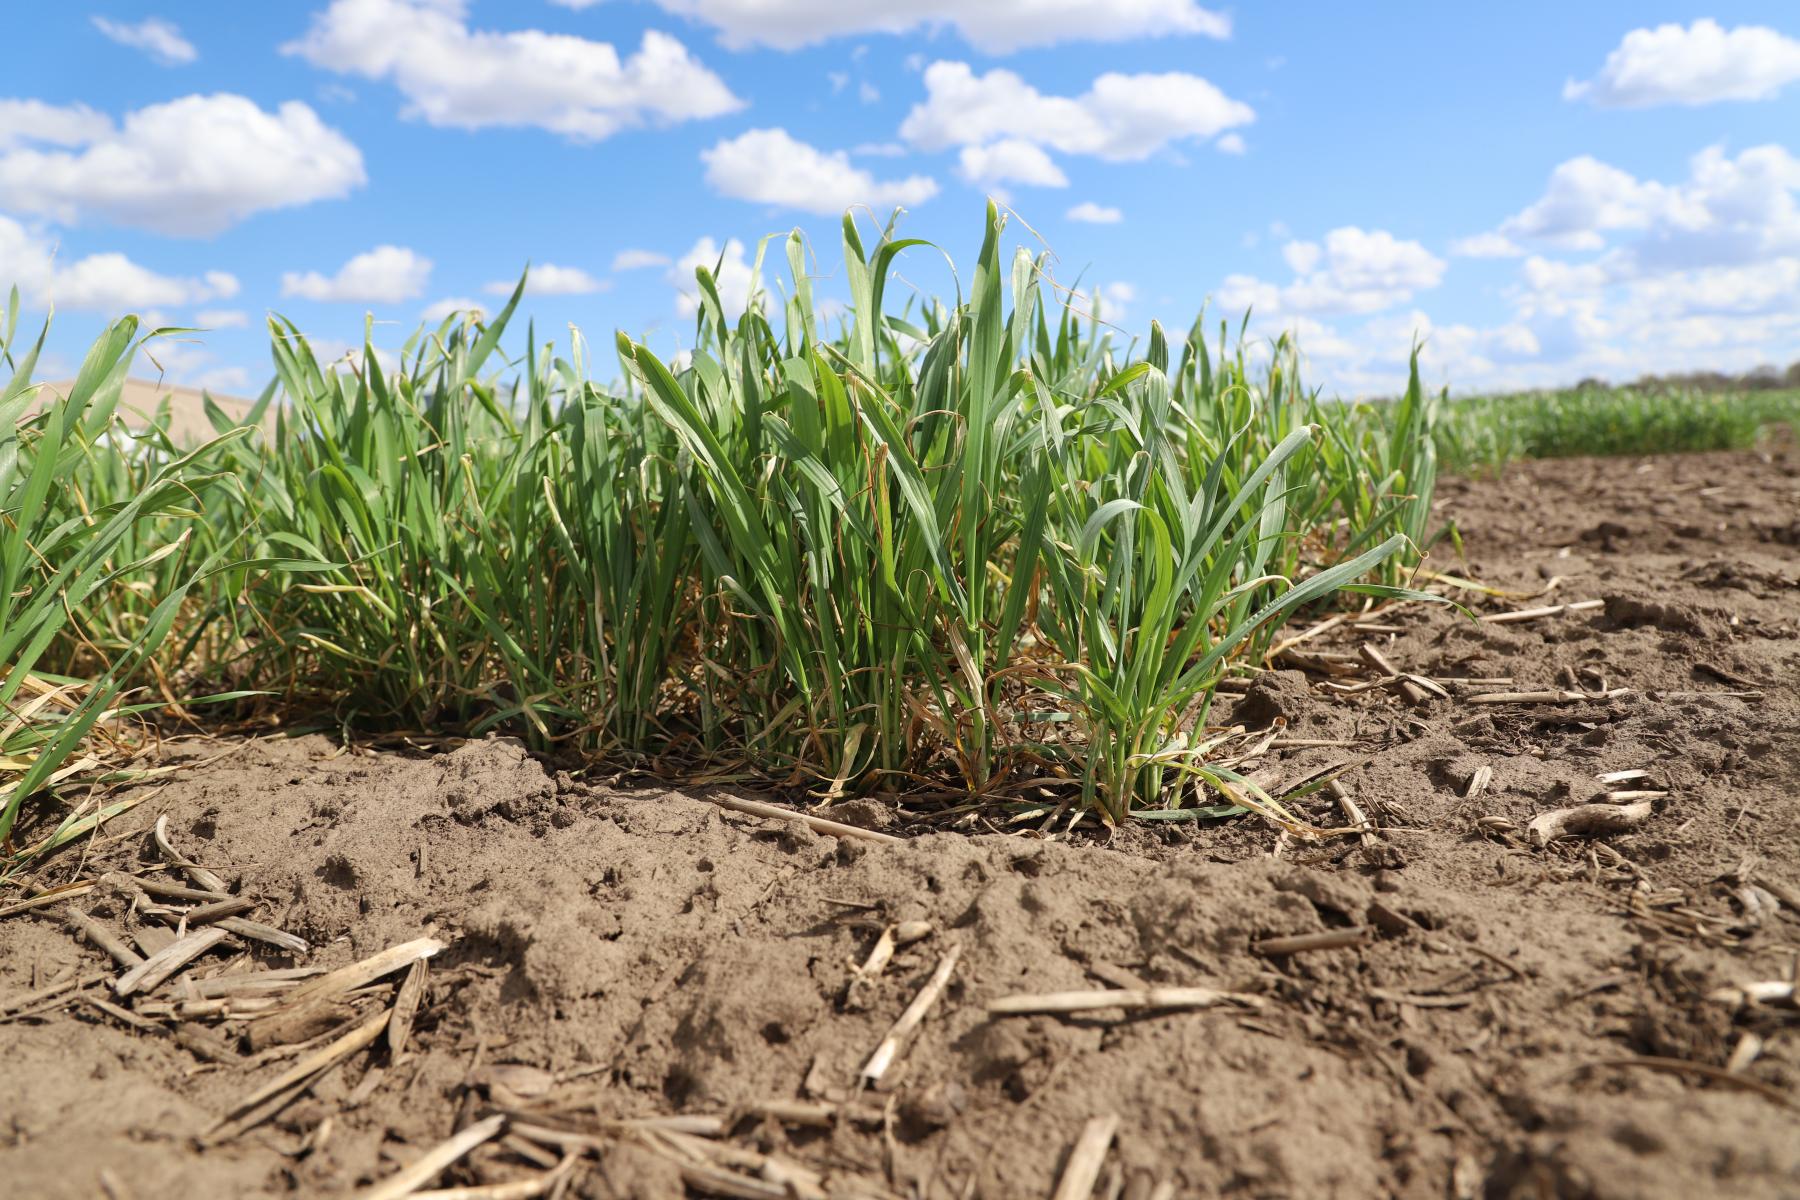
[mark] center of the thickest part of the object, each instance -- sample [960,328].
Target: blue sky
[1544,192]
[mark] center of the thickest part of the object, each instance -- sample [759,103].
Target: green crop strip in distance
[942,547]
[1484,433]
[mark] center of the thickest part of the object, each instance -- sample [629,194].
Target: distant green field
[1486,432]
[943,545]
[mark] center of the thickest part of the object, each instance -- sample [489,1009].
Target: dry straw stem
[1288,643]
[406,1006]
[1548,610]
[152,886]
[1776,993]
[1748,1049]
[797,1181]
[1330,939]
[1086,1159]
[1458,1000]
[165,962]
[1126,998]
[561,1139]
[1416,689]
[716,1181]
[512,1083]
[816,824]
[528,1123]
[202,877]
[817,1114]
[1353,813]
[265,1101]
[695,1125]
[891,1045]
[48,897]
[225,1008]
[518,1189]
[256,983]
[412,1178]
[892,938]
[1545,697]
[256,931]
[206,913]
[1592,820]
[300,1014]
[531,1152]
[205,1045]
[30,1000]
[216,888]
[880,954]
[123,1015]
[368,970]
[102,937]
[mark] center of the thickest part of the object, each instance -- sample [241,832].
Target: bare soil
[1513,1019]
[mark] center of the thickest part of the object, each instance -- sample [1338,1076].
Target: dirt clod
[1273,696]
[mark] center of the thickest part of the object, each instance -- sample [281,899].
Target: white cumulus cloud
[994,26]
[384,275]
[1486,245]
[435,313]
[1617,276]
[1585,199]
[159,39]
[548,279]
[1009,160]
[769,166]
[111,281]
[24,121]
[1120,118]
[1095,214]
[1699,271]
[1621,276]
[187,167]
[637,260]
[1353,271]
[1303,257]
[1703,63]
[472,79]
[1727,212]
[222,318]
[107,282]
